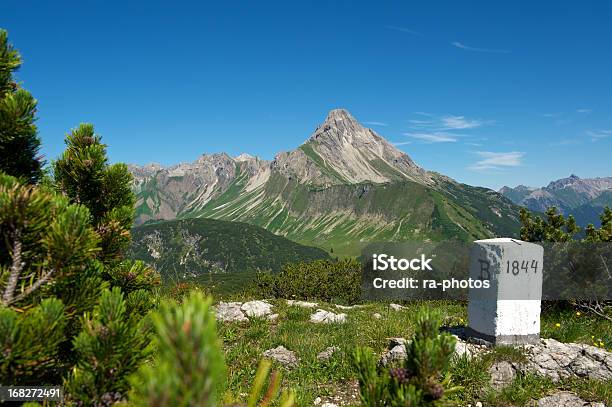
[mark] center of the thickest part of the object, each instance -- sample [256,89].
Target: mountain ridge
[344,184]
[584,198]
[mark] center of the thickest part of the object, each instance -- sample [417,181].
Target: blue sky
[489,93]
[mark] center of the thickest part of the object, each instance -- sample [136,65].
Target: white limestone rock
[346,307]
[303,304]
[282,355]
[257,308]
[394,354]
[230,312]
[468,349]
[558,360]
[566,399]
[327,317]
[502,374]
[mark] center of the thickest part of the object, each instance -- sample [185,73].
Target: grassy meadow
[335,380]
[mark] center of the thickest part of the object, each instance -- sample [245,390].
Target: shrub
[571,258]
[59,252]
[29,342]
[83,175]
[188,369]
[333,281]
[110,348]
[19,143]
[132,275]
[423,377]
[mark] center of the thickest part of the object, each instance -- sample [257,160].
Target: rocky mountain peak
[564,182]
[344,151]
[245,157]
[341,128]
[336,115]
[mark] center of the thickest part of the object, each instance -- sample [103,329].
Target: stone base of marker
[507,313]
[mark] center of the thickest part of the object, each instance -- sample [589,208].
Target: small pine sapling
[421,380]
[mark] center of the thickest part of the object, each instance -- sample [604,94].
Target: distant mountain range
[343,186]
[582,197]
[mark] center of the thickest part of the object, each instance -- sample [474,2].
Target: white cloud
[433,137]
[401,143]
[462,46]
[460,122]
[494,161]
[597,135]
[442,129]
[421,122]
[446,123]
[584,111]
[376,123]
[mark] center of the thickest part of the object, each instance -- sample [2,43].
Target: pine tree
[110,347]
[42,237]
[554,228]
[422,380]
[30,342]
[604,233]
[44,240]
[571,258]
[19,142]
[83,174]
[59,252]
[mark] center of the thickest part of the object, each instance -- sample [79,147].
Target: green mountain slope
[190,248]
[340,217]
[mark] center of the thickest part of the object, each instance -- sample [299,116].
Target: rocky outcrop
[257,308]
[282,355]
[230,312]
[502,374]
[566,399]
[241,312]
[549,358]
[396,351]
[561,360]
[327,317]
[165,192]
[469,349]
[302,304]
